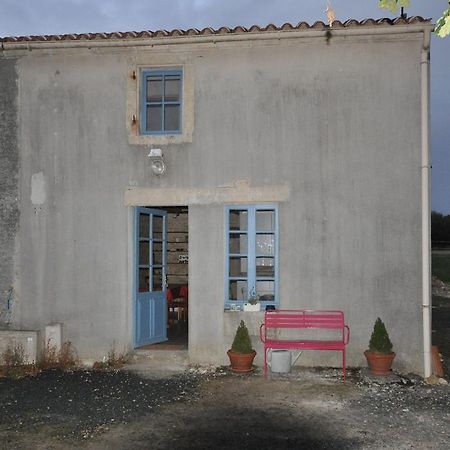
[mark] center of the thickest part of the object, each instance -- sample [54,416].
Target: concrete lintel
[203,196]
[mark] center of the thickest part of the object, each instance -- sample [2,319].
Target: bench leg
[265,362]
[343,364]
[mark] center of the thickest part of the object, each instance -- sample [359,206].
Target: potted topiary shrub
[241,353]
[379,355]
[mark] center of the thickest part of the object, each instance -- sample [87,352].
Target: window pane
[265,220]
[265,244]
[157,281]
[238,220]
[238,267]
[143,280]
[251,255]
[143,253]
[171,117]
[143,225]
[157,253]
[154,118]
[172,88]
[238,290]
[154,89]
[157,227]
[265,267]
[265,290]
[238,243]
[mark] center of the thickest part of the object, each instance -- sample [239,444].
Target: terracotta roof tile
[117,35]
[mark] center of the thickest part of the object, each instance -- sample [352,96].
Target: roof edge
[222,31]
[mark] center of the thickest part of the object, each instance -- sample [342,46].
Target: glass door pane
[144,285]
[157,231]
[238,290]
[238,267]
[265,267]
[265,220]
[157,279]
[238,244]
[265,244]
[144,228]
[265,290]
[144,254]
[238,220]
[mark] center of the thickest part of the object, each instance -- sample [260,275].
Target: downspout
[426,213]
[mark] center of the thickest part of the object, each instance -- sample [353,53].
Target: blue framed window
[251,254]
[161,101]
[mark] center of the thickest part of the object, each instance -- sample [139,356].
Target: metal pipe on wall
[426,213]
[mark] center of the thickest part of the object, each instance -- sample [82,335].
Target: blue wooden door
[150,311]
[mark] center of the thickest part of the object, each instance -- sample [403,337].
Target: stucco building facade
[295,151]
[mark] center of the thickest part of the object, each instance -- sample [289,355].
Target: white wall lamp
[157,163]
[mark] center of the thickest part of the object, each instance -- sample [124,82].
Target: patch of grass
[113,360]
[49,357]
[68,358]
[13,363]
[65,358]
[440,266]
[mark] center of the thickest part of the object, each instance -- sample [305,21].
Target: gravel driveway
[307,409]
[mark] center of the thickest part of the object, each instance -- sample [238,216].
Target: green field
[440,265]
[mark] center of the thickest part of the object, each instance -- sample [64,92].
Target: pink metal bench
[278,320]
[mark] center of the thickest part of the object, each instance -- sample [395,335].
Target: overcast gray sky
[29,17]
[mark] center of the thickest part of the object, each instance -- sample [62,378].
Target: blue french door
[150,311]
[251,266]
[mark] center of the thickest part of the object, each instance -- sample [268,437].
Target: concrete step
[158,363]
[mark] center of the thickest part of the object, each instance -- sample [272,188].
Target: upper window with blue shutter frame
[161,101]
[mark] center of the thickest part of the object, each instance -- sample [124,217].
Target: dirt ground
[307,409]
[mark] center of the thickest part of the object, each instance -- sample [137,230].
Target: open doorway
[162,278]
[177,294]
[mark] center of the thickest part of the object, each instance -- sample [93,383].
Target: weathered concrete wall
[338,124]
[24,343]
[9,183]
[206,283]
[74,228]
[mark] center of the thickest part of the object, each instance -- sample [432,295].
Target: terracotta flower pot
[379,363]
[241,362]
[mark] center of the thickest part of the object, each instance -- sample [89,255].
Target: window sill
[158,139]
[240,311]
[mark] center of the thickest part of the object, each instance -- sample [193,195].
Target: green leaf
[393,5]
[443,24]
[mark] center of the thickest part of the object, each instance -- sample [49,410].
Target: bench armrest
[346,334]
[261,335]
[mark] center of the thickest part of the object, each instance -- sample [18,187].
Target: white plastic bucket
[280,361]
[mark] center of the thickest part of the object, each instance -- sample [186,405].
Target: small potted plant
[379,355]
[241,353]
[252,302]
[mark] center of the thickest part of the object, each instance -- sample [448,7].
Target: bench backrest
[306,318]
